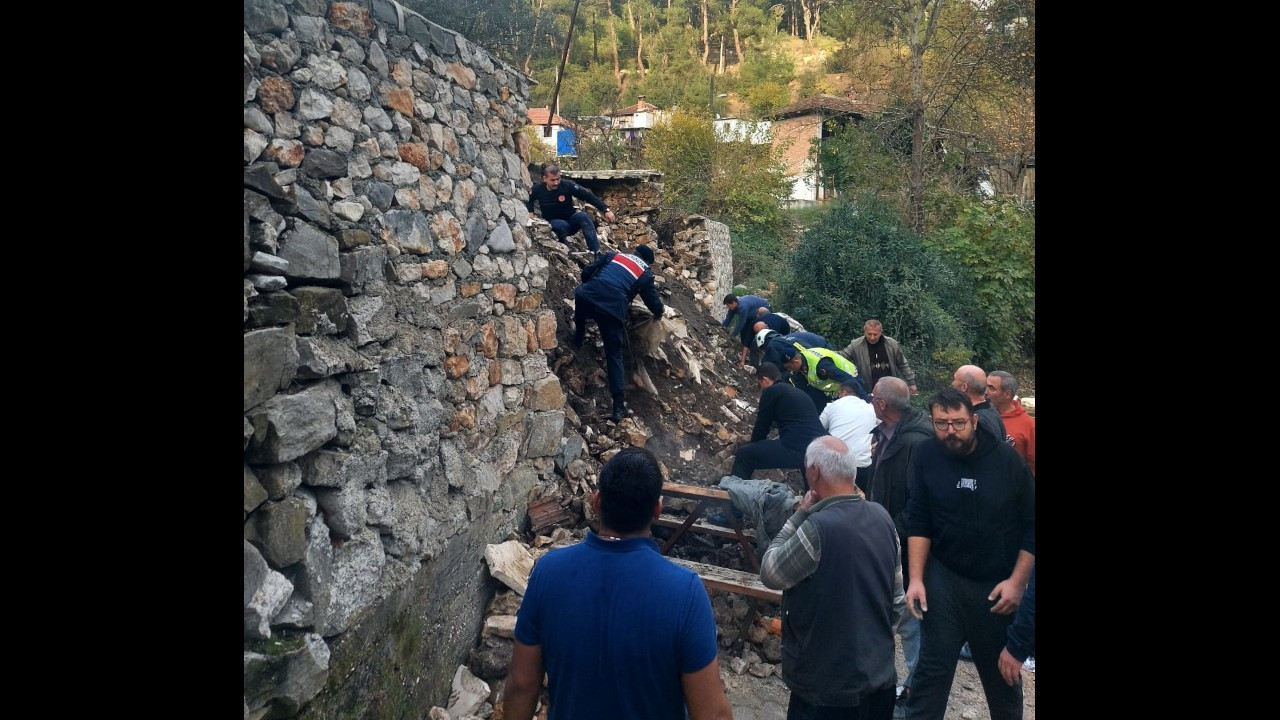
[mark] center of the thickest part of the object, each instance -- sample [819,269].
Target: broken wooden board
[546,513]
[734,581]
[674,521]
[697,492]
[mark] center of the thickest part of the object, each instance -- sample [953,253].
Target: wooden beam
[734,581]
[672,521]
[697,492]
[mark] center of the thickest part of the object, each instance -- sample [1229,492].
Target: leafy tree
[738,183]
[994,243]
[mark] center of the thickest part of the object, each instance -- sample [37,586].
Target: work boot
[619,410]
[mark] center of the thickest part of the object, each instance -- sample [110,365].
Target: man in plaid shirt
[838,564]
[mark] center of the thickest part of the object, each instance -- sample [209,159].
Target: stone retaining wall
[398,408]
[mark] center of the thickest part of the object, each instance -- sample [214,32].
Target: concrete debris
[511,563]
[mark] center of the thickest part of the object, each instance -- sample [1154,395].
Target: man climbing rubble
[555,197]
[608,286]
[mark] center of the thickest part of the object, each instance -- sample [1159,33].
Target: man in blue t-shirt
[620,631]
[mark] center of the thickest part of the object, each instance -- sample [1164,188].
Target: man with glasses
[971,547]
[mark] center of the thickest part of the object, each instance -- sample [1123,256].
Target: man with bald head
[972,381]
[837,564]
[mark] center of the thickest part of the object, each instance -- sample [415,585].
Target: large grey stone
[408,229]
[281,532]
[377,60]
[312,30]
[321,356]
[475,230]
[254,144]
[255,571]
[322,163]
[261,177]
[500,239]
[264,16]
[372,319]
[363,270]
[351,50]
[270,363]
[257,120]
[545,430]
[312,254]
[353,586]
[288,681]
[297,614]
[268,600]
[323,311]
[314,105]
[280,480]
[379,193]
[344,509]
[290,426]
[333,469]
[271,308]
[269,264]
[302,203]
[358,84]
[254,493]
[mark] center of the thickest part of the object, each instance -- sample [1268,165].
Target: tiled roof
[538,116]
[827,104]
[641,106]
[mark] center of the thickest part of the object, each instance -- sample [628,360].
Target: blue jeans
[960,612]
[577,221]
[909,631]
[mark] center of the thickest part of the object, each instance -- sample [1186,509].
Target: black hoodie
[979,510]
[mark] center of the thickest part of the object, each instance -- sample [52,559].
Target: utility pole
[555,94]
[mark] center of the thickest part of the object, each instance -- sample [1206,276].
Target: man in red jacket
[1001,390]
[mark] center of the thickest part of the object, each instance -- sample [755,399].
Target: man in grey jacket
[877,355]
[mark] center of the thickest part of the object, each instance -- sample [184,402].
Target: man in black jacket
[608,286]
[555,197]
[797,422]
[901,430]
[971,546]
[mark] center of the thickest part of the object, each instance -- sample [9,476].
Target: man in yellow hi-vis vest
[819,371]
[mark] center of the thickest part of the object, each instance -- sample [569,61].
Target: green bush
[859,262]
[993,243]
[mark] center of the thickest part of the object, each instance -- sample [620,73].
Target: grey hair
[895,392]
[1007,381]
[831,462]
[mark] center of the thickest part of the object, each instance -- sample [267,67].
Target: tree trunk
[921,23]
[808,16]
[706,40]
[733,20]
[640,48]
[720,70]
[613,33]
[595,39]
[533,38]
[631,19]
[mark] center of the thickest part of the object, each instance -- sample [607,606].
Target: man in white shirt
[851,419]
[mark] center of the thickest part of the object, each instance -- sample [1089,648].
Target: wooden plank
[672,521]
[696,492]
[734,581]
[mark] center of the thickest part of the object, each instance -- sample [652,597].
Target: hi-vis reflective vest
[813,355]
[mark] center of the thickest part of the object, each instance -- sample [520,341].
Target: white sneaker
[1029,664]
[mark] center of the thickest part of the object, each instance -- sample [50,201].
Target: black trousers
[877,705]
[765,455]
[960,612]
[614,335]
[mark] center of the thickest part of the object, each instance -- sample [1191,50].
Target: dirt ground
[756,698]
